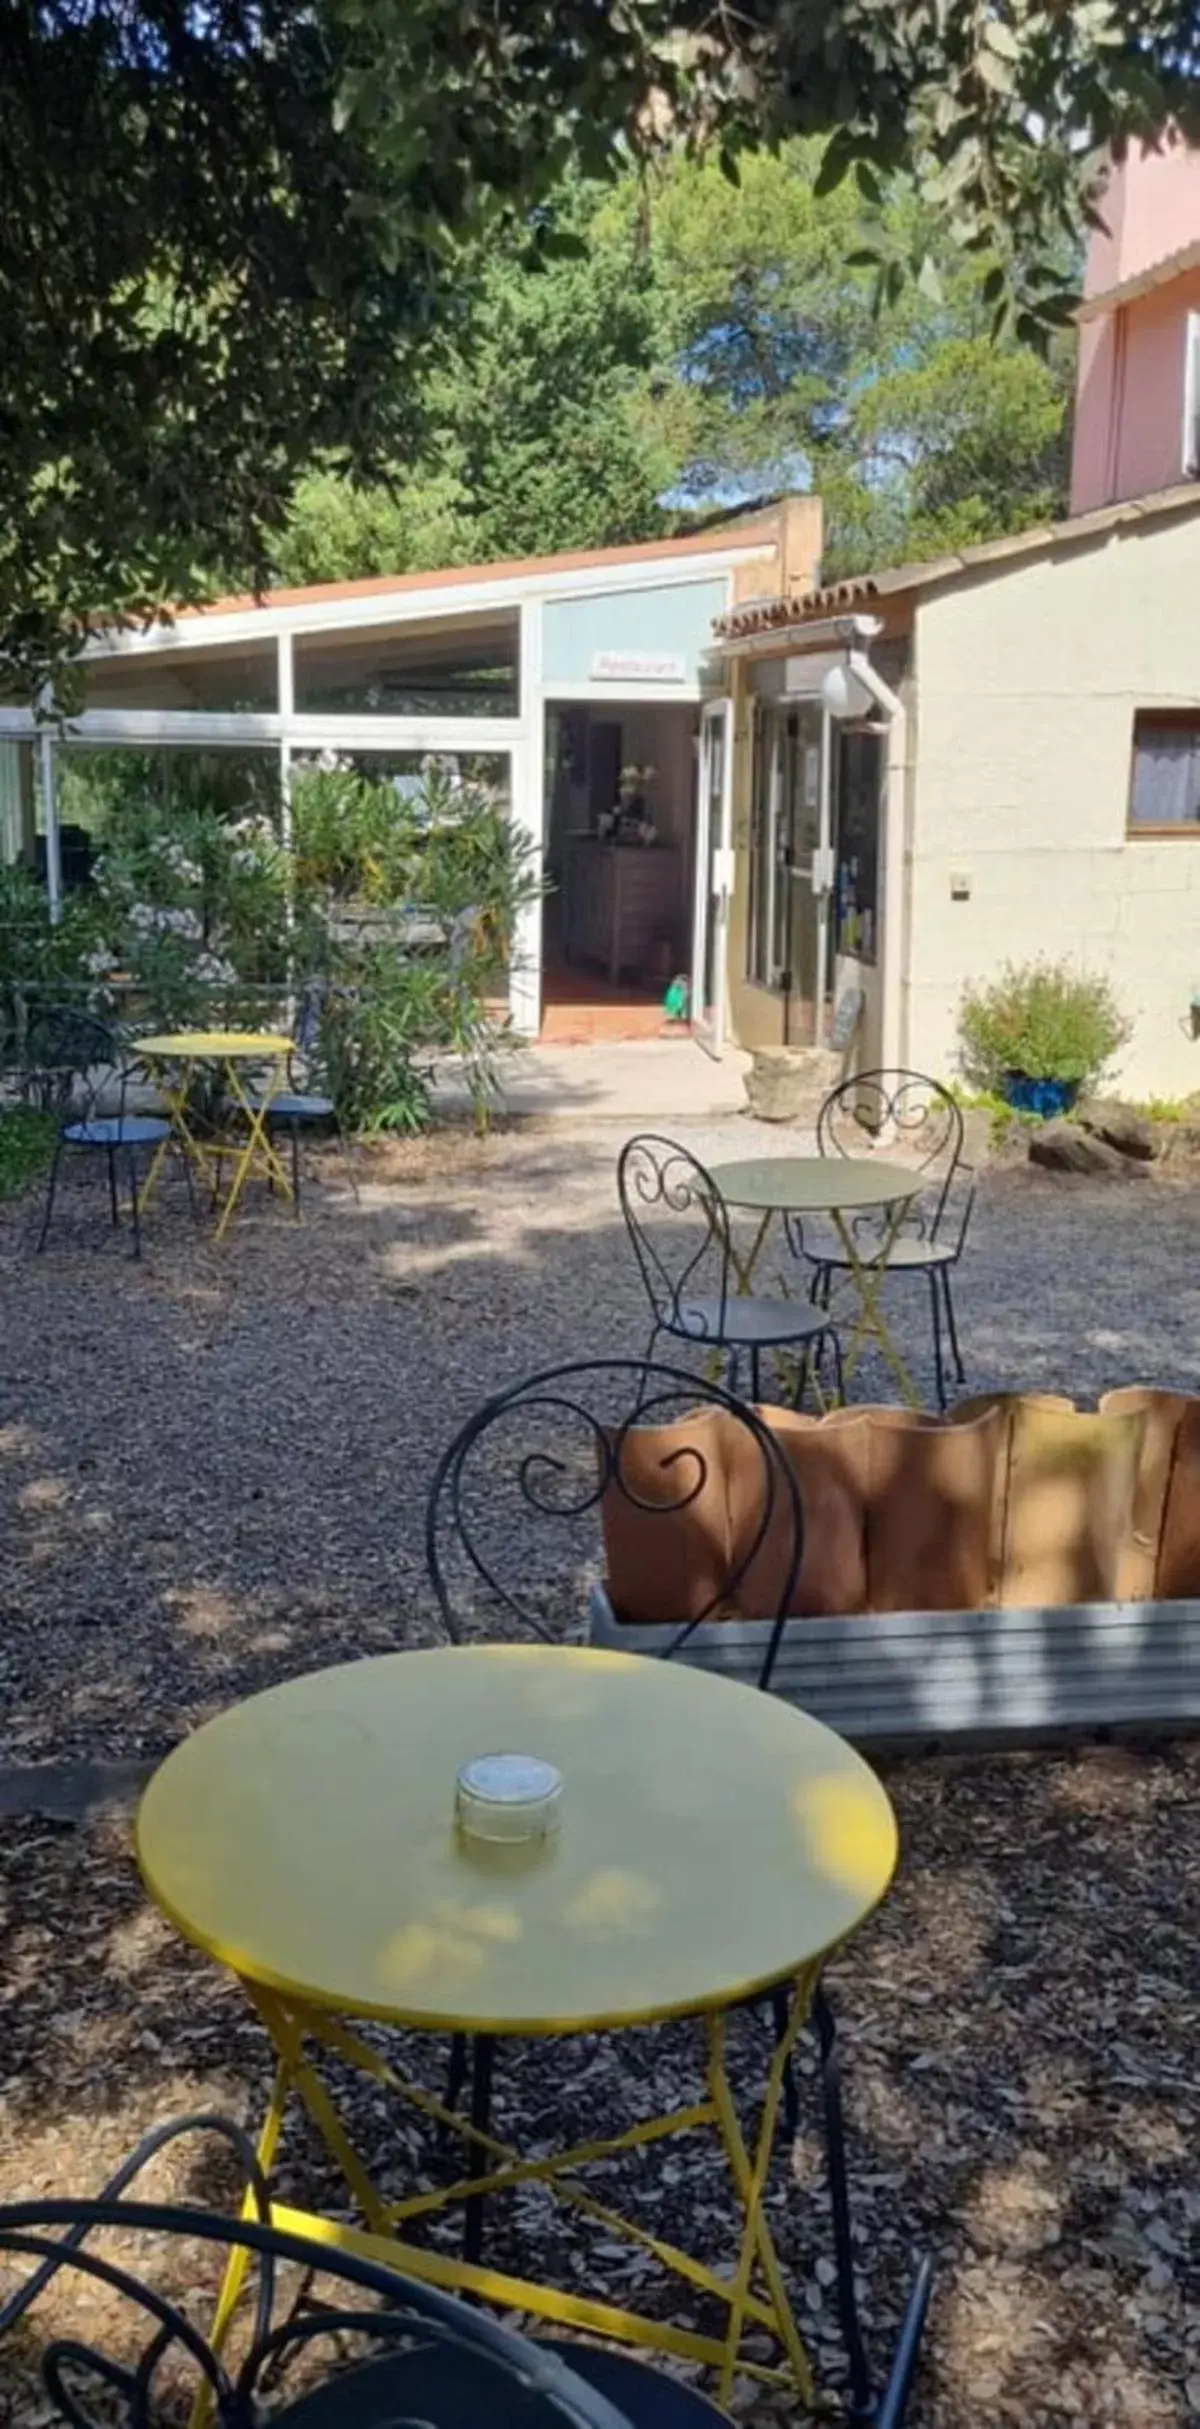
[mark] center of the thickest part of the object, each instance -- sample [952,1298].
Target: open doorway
[620,823]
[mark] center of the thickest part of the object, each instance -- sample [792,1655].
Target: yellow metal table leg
[174,1094]
[744,1262]
[750,2180]
[867,1276]
[257,1151]
[238,2264]
[296,2031]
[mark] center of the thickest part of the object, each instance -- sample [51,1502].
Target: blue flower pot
[1045,1098]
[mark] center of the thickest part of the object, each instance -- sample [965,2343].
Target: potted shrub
[1040,1035]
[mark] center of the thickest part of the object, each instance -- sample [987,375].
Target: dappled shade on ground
[212,1475]
[1020,2024]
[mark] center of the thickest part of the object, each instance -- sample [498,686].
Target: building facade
[941,768]
[1137,395]
[889,786]
[554,676]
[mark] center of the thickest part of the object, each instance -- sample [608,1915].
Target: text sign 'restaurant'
[636,666]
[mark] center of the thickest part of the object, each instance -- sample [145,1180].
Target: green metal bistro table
[838,1187]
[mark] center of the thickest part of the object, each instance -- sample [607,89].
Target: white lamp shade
[845,694]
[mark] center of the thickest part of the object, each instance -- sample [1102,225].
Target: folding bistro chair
[678,1224]
[902,1114]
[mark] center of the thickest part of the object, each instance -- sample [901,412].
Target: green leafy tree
[763,321]
[537,437]
[921,426]
[552,450]
[942,454]
[232,237]
[339,528]
[712,342]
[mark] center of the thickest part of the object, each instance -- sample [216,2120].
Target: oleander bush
[392,901]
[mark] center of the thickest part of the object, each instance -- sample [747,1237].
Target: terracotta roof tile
[860,591]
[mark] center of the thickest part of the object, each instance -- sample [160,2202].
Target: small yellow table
[173,1056]
[714,1843]
[838,1187]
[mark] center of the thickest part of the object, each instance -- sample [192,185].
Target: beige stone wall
[1026,686]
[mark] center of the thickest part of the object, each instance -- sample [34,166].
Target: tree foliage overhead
[231,230]
[204,281]
[714,343]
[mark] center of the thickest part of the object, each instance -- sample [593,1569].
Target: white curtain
[1166,776]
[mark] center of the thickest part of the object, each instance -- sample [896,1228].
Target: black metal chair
[901,1114]
[678,1224]
[438,2365]
[83,1067]
[553,1446]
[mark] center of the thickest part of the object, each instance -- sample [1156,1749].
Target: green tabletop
[814,1184]
[713,1840]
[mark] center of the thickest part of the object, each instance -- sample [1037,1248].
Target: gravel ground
[214,1469]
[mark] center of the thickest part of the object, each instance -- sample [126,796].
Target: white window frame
[762,970]
[1190,448]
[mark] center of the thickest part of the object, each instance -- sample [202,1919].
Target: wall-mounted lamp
[845,694]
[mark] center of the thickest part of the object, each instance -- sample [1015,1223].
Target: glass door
[792,864]
[714,874]
[809,869]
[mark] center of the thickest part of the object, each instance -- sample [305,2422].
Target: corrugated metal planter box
[993,1677]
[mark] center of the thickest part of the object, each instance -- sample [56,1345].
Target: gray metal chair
[901,1114]
[678,1224]
[84,1066]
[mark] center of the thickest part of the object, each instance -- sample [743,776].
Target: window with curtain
[1165,790]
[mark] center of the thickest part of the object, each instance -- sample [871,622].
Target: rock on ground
[1119,1126]
[1068,1147]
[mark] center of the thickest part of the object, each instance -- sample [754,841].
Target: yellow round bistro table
[172,1057]
[838,1187]
[713,1843]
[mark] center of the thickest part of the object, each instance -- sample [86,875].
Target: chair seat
[117,1130]
[747,1323]
[443,2386]
[906,1253]
[647,2397]
[288,1108]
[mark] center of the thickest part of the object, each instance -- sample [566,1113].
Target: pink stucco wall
[1151,206]
[1129,393]
[1129,397]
